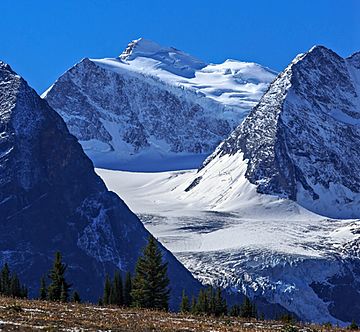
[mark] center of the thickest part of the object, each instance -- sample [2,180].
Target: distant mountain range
[155,108]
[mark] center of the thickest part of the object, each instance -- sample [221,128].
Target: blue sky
[41,39]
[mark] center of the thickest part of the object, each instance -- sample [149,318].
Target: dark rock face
[52,200]
[302,139]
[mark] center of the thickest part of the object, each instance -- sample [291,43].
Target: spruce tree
[353,326]
[247,309]
[10,284]
[220,303]
[76,297]
[150,288]
[202,305]
[235,310]
[5,280]
[64,296]
[15,287]
[212,301]
[107,291]
[116,294]
[24,292]
[43,289]
[127,290]
[58,289]
[184,305]
[193,307]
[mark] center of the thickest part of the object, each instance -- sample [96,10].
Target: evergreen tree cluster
[116,292]
[246,310]
[210,301]
[149,288]
[10,284]
[59,288]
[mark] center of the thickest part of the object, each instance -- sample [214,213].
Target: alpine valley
[273,211]
[249,178]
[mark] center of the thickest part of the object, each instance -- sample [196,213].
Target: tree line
[59,288]
[10,284]
[148,288]
[211,301]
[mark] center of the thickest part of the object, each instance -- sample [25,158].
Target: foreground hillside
[30,315]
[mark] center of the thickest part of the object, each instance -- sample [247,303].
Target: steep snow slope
[52,200]
[155,108]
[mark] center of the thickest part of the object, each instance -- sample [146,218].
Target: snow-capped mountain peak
[301,141]
[155,105]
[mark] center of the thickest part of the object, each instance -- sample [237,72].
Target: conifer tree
[15,287]
[76,297]
[43,289]
[212,301]
[127,290]
[202,305]
[107,291]
[150,288]
[193,307]
[353,326]
[10,284]
[184,305]
[5,280]
[116,294]
[235,310]
[24,292]
[64,296]
[220,303]
[58,289]
[247,309]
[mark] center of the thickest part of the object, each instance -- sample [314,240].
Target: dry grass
[29,315]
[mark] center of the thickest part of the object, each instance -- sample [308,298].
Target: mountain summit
[171,59]
[155,108]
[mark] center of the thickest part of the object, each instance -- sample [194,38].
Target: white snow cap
[141,47]
[170,55]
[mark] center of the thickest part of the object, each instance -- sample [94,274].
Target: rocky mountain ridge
[52,200]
